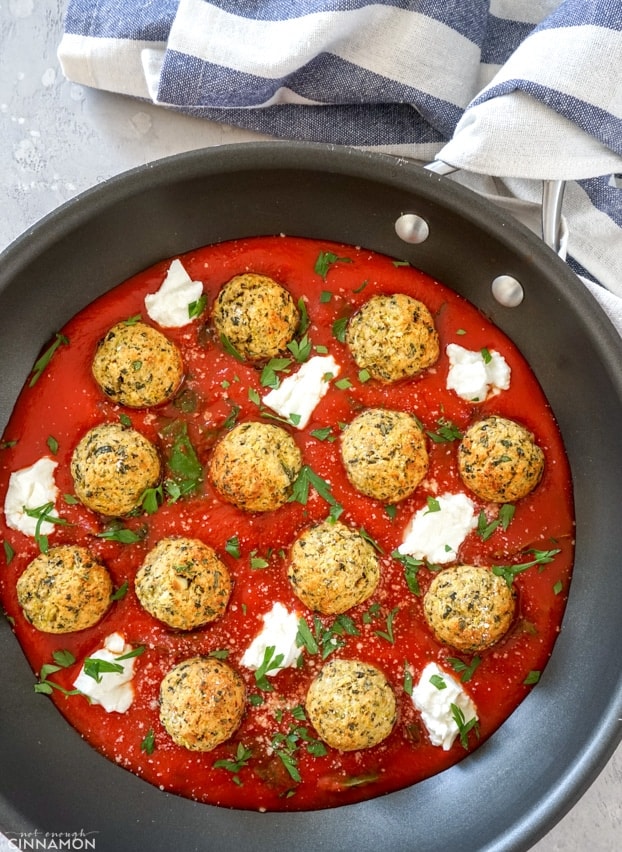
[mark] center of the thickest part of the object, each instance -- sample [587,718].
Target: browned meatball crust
[254,466]
[183,583]
[385,454]
[65,589]
[136,365]
[351,705]
[257,315]
[333,568]
[469,607]
[201,703]
[499,460]
[393,337]
[112,467]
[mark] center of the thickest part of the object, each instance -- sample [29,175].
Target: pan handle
[552,200]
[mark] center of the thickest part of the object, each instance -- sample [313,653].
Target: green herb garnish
[466,670]
[269,375]
[325,262]
[42,362]
[184,465]
[43,514]
[271,663]
[196,308]
[388,633]
[464,727]
[509,572]
[232,546]
[148,742]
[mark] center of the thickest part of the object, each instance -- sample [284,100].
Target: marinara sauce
[272,761]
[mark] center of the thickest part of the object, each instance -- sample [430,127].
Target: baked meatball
[183,583]
[499,460]
[332,568]
[201,703]
[393,337]
[65,589]
[469,607]
[351,705]
[111,468]
[384,453]
[257,315]
[137,366]
[254,465]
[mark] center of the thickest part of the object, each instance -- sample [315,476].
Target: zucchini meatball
[137,366]
[385,454]
[469,607]
[499,460]
[183,583]
[65,589]
[254,466]
[393,337]
[351,705]
[201,703]
[333,568]
[257,315]
[111,468]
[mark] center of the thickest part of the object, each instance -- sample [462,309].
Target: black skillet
[514,788]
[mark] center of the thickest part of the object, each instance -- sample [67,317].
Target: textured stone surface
[58,139]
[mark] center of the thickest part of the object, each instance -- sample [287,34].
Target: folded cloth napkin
[509,92]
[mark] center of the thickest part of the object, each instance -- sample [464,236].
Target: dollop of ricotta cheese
[433,697]
[300,393]
[113,690]
[30,488]
[435,532]
[474,375]
[280,628]
[169,305]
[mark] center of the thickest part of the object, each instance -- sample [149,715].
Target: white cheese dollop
[114,691]
[279,632]
[169,305]
[434,704]
[30,488]
[436,534]
[300,393]
[472,376]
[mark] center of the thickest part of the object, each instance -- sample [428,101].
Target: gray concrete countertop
[58,139]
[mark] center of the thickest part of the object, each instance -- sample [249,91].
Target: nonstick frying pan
[512,789]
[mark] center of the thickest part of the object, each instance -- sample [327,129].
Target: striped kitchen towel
[508,91]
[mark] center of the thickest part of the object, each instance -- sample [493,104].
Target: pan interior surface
[520,782]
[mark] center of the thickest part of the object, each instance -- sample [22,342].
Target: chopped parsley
[486,528]
[42,362]
[339,329]
[269,375]
[509,572]
[232,546]
[465,670]
[271,663]
[464,727]
[235,764]
[148,742]
[388,633]
[411,569]
[43,514]
[196,308]
[62,660]
[186,471]
[325,262]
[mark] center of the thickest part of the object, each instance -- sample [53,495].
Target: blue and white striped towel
[516,91]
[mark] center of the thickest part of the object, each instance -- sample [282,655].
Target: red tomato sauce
[65,402]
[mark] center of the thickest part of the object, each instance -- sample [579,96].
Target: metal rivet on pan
[412,228]
[508,291]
